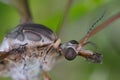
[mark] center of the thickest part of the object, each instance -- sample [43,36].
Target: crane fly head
[69,50]
[72,49]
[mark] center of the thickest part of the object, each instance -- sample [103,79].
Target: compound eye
[70,54]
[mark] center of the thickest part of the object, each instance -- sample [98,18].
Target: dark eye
[70,54]
[73,42]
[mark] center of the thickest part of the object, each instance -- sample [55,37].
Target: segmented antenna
[93,26]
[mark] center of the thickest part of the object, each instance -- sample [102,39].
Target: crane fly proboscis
[32,49]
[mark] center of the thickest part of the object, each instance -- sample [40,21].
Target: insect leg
[62,21]
[95,57]
[99,28]
[46,76]
[3,55]
[23,8]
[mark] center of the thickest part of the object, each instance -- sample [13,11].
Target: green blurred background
[82,15]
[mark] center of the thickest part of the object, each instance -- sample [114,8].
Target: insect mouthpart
[96,58]
[91,56]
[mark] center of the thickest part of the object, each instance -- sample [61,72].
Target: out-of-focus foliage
[81,16]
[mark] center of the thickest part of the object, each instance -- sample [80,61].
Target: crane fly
[31,50]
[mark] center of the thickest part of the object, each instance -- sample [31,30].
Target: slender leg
[98,29]
[46,76]
[60,27]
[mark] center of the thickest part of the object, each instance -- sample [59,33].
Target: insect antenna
[92,28]
[93,25]
[99,28]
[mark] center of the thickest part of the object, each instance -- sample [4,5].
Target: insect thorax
[29,45]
